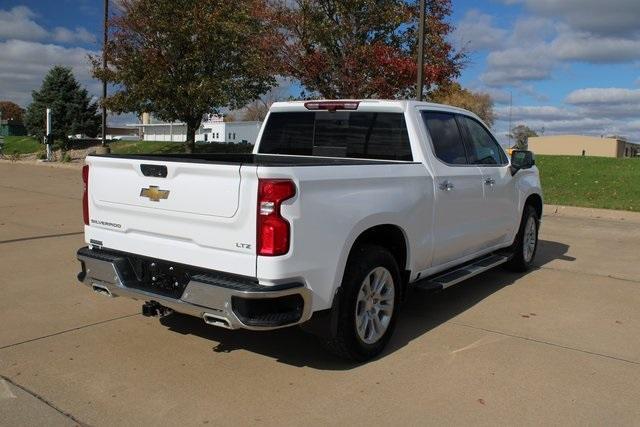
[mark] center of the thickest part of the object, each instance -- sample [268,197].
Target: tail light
[85,194]
[273,230]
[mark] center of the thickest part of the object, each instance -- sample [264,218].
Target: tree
[362,48]
[184,59]
[521,134]
[11,111]
[72,111]
[258,109]
[479,103]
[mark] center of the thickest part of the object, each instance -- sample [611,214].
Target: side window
[445,134]
[484,150]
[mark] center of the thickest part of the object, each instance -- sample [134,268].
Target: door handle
[446,186]
[489,181]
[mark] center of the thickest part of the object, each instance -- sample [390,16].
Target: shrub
[66,157]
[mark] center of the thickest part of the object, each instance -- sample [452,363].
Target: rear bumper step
[220,299]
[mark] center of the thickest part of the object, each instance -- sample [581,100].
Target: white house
[232,132]
[214,129]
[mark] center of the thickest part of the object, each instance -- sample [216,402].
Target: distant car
[126,138]
[342,206]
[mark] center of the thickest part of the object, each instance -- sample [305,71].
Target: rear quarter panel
[333,206]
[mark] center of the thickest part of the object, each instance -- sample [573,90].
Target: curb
[591,213]
[58,165]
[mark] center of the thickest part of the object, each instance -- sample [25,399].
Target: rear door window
[350,134]
[446,137]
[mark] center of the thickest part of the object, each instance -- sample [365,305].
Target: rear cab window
[446,136]
[349,134]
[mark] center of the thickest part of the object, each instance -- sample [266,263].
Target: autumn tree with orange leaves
[362,48]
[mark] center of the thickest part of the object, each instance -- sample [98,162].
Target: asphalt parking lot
[559,345]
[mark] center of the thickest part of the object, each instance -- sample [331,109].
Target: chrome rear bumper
[219,299]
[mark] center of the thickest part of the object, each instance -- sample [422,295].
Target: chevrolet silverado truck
[342,207]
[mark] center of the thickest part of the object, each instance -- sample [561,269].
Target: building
[579,145]
[122,133]
[9,128]
[232,132]
[214,129]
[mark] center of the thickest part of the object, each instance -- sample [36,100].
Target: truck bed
[251,159]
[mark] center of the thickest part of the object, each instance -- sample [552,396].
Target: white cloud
[600,96]
[23,65]
[515,65]
[499,96]
[476,32]
[611,17]
[614,103]
[583,46]
[27,53]
[557,32]
[80,34]
[592,111]
[17,23]
[540,113]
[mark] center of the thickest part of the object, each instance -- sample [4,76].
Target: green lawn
[594,182]
[21,145]
[145,147]
[160,147]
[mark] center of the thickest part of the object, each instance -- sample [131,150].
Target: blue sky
[572,66]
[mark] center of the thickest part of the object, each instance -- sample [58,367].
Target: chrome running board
[463,272]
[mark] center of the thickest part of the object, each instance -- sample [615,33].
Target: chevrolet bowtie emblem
[154,193]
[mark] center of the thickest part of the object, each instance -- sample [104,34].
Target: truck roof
[386,105]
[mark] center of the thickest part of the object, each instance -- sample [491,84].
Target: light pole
[420,83]
[104,69]
[48,137]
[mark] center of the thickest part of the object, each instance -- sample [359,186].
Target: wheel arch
[535,200]
[388,236]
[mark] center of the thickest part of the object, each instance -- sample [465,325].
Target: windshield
[337,134]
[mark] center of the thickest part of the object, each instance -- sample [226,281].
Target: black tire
[520,261]
[347,342]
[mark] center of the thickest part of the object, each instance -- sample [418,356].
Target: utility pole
[510,119]
[420,83]
[104,68]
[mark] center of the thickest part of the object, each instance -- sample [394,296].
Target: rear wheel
[368,306]
[526,243]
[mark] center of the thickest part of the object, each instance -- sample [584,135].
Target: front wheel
[368,305]
[526,243]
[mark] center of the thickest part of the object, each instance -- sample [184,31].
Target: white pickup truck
[342,206]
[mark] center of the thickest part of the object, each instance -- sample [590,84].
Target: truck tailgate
[195,213]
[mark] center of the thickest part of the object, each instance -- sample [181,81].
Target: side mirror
[521,159]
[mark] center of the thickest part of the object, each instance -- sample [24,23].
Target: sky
[570,66]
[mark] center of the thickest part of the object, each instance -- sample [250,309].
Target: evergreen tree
[72,111]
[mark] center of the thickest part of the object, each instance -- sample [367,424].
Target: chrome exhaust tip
[214,320]
[102,290]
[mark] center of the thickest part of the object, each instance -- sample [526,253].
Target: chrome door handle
[446,186]
[489,181]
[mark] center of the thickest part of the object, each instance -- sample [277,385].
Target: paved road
[558,345]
